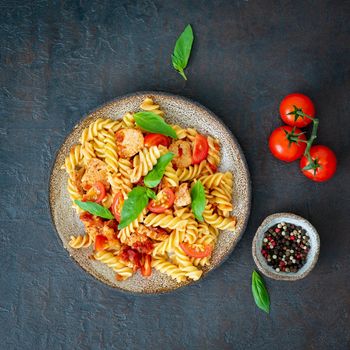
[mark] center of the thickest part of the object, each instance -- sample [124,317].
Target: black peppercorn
[285,247]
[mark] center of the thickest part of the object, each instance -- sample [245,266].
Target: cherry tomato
[101,191]
[100,242]
[325,164]
[96,193]
[165,199]
[194,253]
[285,145]
[293,103]
[156,140]
[146,268]
[117,205]
[200,149]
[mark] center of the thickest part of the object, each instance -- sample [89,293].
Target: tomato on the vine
[292,108]
[324,166]
[287,143]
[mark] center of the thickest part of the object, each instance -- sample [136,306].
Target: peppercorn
[285,247]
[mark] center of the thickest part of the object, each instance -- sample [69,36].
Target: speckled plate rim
[247,206]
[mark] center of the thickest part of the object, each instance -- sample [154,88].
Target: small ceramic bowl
[311,257]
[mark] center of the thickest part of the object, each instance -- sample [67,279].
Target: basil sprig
[153,178]
[153,123]
[260,293]
[182,50]
[198,200]
[137,201]
[95,209]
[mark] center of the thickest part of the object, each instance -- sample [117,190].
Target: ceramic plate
[186,113]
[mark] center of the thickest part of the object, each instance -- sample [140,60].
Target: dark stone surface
[61,59]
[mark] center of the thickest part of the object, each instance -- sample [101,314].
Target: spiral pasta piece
[128,120]
[116,182]
[227,183]
[170,177]
[82,241]
[74,194]
[191,233]
[73,191]
[220,222]
[149,106]
[186,265]
[213,180]
[184,213]
[169,269]
[125,170]
[94,128]
[191,134]
[222,199]
[113,125]
[73,161]
[205,240]
[88,152]
[144,162]
[115,263]
[203,228]
[110,150]
[169,244]
[191,172]
[99,147]
[164,221]
[181,258]
[180,132]
[213,152]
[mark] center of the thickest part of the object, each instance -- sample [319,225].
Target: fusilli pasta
[149,106]
[113,158]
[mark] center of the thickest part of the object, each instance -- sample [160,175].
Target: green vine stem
[312,138]
[313,164]
[301,113]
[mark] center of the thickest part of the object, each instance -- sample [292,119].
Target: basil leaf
[95,209]
[182,50]
[260,294]
[153,123]
[198,200]
[150,193]
[137,200]
[153,178]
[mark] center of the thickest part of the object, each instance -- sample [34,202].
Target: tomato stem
[304,115]
[310,141]
[298,112]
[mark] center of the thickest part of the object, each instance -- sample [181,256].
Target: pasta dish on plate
[149,194]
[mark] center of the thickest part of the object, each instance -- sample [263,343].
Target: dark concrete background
[62,58]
